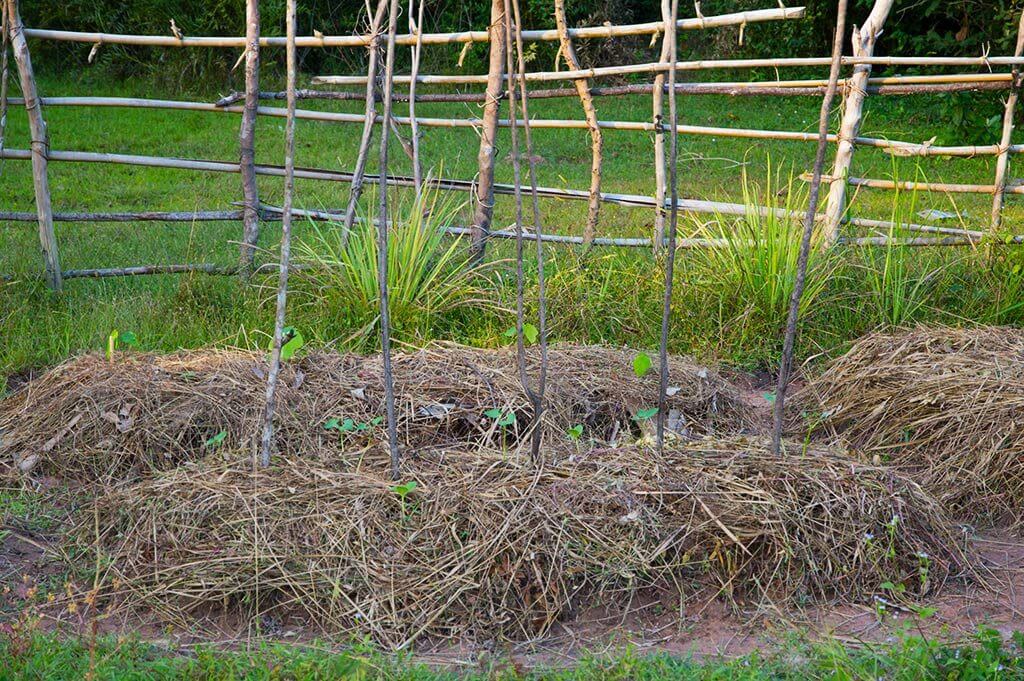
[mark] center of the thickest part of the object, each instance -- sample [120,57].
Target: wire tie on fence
[743,27]
[700,15]
[986,50]
[94,51]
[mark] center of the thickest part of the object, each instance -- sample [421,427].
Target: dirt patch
[91,419]
[945,403]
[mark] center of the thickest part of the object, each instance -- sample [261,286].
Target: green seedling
[642,364]
[350,425]
[116,337]
[530,333]
[501,418]
[576,432]
[645,414]
[291,342]
[403,490]
[217,440]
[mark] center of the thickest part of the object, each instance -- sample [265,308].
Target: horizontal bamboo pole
[141,216]
[734,89]
[543,35]
[649,67]
[1015,187]
[629,200]
[895,147]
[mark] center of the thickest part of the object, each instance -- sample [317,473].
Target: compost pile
[487,544]
[93,419]
[945,403]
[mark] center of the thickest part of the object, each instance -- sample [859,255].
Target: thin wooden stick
[369,118]
[789,341]
[1010,187]
[139,216]
[4,74]
[658,110]
[40,146]
[266,442]
[382,247]
[1003,158]
[655,67]
[753,89]
[488,131]
[853,106]
[414,126]
[538,231]
[673,225]
[590,112]
[546,35]
[629,200]
[247,138]
[894,147]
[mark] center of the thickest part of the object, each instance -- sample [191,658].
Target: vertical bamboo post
[789,341]
[40,146]
[247,140]
[590,112]
[657,102]
[1003,159]
[4,75]
[266,441]
[359,172]
[666,311]
[489,132]
[416,27]
[536,396]
[382,243]
[853,107]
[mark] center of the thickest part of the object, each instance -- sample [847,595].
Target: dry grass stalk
[94,420]
[488,545]
[944,402]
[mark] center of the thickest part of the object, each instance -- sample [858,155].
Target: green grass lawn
[614,299]
[909,658]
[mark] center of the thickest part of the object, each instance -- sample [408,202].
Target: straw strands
[488,545]
[91,419]
[942,402]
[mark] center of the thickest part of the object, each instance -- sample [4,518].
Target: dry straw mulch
[946,403]
[91,419]
[487,545]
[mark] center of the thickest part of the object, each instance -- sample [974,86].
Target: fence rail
[855,87]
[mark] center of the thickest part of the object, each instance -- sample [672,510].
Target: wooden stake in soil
[266,443]
[666,312]
[583,89]
[853,107]
[537,396]
[1003,159]
[4,76]
[247,138]
[489,132]
[40,146]
[789,342]
[382,245]
[415,26]
[657,104]
[358,173]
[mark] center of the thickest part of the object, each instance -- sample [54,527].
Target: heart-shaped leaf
[641,364]
[645,414]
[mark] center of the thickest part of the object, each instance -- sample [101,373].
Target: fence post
[853,107]
[489,132]
[657,103]
[590,112]
[40,146]
[247,140]
[1003,159]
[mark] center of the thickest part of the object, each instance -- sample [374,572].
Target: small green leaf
[129,338]
[292,342]
[769,397]
[641,364]
[376,420]
[507,420]
[576,431]
[332,424]
[510,333]
[403,490]
[347,426]
[493,413]
[217,439]
[645,414]
[530,333]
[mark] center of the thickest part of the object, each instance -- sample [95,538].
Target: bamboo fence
[982,73]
